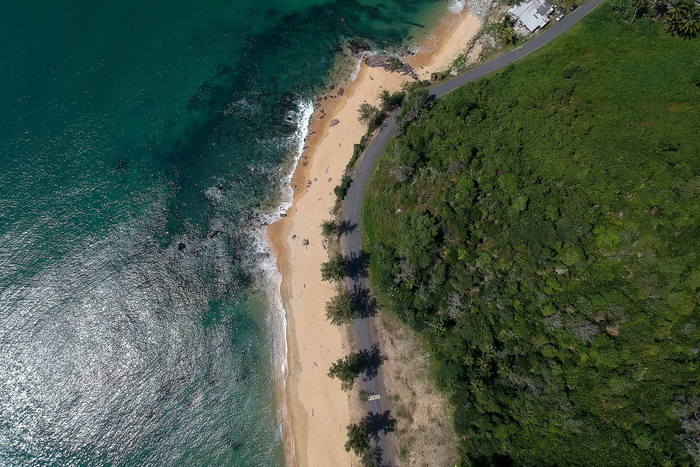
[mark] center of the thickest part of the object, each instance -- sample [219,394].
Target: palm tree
[508,35]
[385,98]
[368,112]
[391,101]
[688,25]
[347,370]
[329,227]
[335,269]
[358,437]
[507,31]
[683,19]
[508,21]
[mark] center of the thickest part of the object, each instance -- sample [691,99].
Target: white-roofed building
[533,14]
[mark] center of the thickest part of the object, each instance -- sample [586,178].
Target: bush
[357,150]
[342,190]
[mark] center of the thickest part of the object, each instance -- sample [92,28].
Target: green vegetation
[391,102]
[683,19]
[347,370]
[540,229]
[507,31]
[329,227]
[371,116]
[359,438]
[358,149]
[416,101]
[335,269]
[367,113]
[342,190]
[341,309]
[360,435]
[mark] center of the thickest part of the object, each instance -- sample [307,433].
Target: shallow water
[139,144]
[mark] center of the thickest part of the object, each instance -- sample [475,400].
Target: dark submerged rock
[358,46]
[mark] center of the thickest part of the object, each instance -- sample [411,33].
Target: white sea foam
[356,71]
[268,262]
[457,6]
[297,140]
[277,320]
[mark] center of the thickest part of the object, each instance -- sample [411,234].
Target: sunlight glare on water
[140,143]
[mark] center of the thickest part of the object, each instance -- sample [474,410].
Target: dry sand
[448,41]
[318,410]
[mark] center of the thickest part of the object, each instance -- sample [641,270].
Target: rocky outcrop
[391,64]
[357,47]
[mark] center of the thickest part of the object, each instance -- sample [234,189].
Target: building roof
[545,8]
[533,14]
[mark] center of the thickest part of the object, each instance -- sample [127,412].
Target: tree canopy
[359,437]
[329,227]
[347,370]
[341,309]
[335,269]
[539,229]
[684,19]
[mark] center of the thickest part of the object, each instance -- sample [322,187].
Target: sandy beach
[318,410]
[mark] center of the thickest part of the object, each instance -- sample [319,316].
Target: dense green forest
[541,229]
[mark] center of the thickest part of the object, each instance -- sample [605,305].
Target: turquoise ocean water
[139,143]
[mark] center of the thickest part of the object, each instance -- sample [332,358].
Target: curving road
[364,327]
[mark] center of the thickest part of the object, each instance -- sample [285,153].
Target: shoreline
[312,344]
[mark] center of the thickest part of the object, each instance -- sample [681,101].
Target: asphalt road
[364,327]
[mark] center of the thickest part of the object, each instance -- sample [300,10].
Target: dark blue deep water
[130,133]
